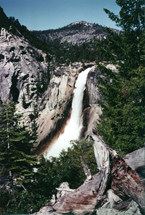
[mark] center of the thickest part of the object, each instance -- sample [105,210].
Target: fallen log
[126,182]
[115,182]
[81,200]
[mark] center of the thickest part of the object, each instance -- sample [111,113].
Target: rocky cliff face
[57,101]
[24,69]
[92,109]
[20,68]
[56,105]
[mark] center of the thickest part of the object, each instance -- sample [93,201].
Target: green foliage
[122,124]
[26,202]
[50,174]
[66,52]
[67,167]
[16,160]
[16,144]
[21,200]
[4,21]
[22,189]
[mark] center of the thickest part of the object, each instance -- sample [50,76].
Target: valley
[72,117]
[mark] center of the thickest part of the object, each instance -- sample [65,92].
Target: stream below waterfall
[74,126]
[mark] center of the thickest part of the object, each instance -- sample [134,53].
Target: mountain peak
[80,22]
[78,32]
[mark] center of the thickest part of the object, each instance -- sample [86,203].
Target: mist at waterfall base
[74,126]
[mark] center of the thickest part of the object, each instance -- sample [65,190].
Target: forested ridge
[122,123]
[62,53]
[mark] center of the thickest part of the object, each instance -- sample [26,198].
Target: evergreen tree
[16,161]
[122,123]
[16,143]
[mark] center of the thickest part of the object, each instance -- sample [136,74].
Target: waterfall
[73,128]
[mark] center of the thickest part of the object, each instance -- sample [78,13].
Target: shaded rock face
[56,104]
[136,160]
[19,69]
[91,109]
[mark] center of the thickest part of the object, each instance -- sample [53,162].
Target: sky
[53,14]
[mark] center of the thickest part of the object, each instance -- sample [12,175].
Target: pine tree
[122,124]
[16,161]
[16,143]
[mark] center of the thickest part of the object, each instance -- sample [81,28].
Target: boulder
[136,160]
[107,210]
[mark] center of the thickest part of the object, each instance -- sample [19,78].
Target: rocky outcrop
[133,209]
[136,160]
[91,109]
[19,66]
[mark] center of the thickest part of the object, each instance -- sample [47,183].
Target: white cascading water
[72,130]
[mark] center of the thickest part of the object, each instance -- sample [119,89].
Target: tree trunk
[115,182]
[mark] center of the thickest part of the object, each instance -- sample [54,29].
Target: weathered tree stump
[116,182]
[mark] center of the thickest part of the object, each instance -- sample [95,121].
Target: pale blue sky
[52,14]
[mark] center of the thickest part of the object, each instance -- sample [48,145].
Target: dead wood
[86,169]
[115,182]
[81,200]
[126,182]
